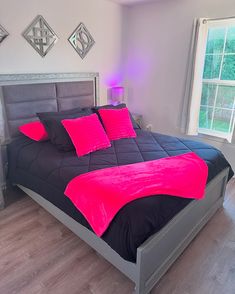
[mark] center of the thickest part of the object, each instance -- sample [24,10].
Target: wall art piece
[81,40]
[40,35]
[3,34]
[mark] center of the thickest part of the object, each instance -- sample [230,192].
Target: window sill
[215,136]
[201,136]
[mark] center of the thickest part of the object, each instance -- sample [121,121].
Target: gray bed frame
[155,255]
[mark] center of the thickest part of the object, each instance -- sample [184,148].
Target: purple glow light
[138,65]
[114,79]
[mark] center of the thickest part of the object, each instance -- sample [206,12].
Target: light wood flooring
[39,255]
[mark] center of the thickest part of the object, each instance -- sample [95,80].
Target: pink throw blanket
[100,194]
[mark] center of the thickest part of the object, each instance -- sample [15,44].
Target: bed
[142,248]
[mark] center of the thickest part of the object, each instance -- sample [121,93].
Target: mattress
[41,168]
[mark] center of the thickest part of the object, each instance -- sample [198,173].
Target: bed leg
[138,291]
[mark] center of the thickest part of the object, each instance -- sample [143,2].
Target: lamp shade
[116,95]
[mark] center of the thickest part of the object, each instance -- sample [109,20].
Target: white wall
[102,18]
[156,38]
[156,54]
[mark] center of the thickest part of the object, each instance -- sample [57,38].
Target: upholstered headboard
[22,100]
[23,95]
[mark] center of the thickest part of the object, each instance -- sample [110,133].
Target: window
[217,107]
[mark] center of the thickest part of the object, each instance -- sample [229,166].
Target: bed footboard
[158,253]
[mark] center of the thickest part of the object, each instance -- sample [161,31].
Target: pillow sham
[87,134]
[34,130]
[119,106]
[117,123]
[56,132]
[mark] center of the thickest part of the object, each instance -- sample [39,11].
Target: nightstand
[138,118]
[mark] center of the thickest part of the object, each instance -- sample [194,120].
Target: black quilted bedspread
[40,167]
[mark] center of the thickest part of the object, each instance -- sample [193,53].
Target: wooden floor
[39,255]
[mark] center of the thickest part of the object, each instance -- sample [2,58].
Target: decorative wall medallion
[40,35]
[81,40]
[3,34]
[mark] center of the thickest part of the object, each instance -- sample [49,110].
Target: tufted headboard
[23,95]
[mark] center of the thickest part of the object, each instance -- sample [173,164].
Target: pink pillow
[117,123]
[86,133]
[34,130]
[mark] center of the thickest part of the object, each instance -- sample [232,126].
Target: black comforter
[40,167]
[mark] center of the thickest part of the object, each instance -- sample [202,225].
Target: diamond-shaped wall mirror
[3,34]
[81,40]
[40,35]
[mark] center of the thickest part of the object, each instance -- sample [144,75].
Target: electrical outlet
[149,127]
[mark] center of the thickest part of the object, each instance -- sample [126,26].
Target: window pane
[221,120]
[215,40]
[225,97]
[228,71]
[212,66]
[205,117]
[208,94]
[230,42]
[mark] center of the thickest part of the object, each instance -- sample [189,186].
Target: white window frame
[218,82]
[197,81]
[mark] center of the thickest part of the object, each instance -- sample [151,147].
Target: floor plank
[39,255]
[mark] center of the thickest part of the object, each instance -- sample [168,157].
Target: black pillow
[119,106]
[56,132]
[55,113]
